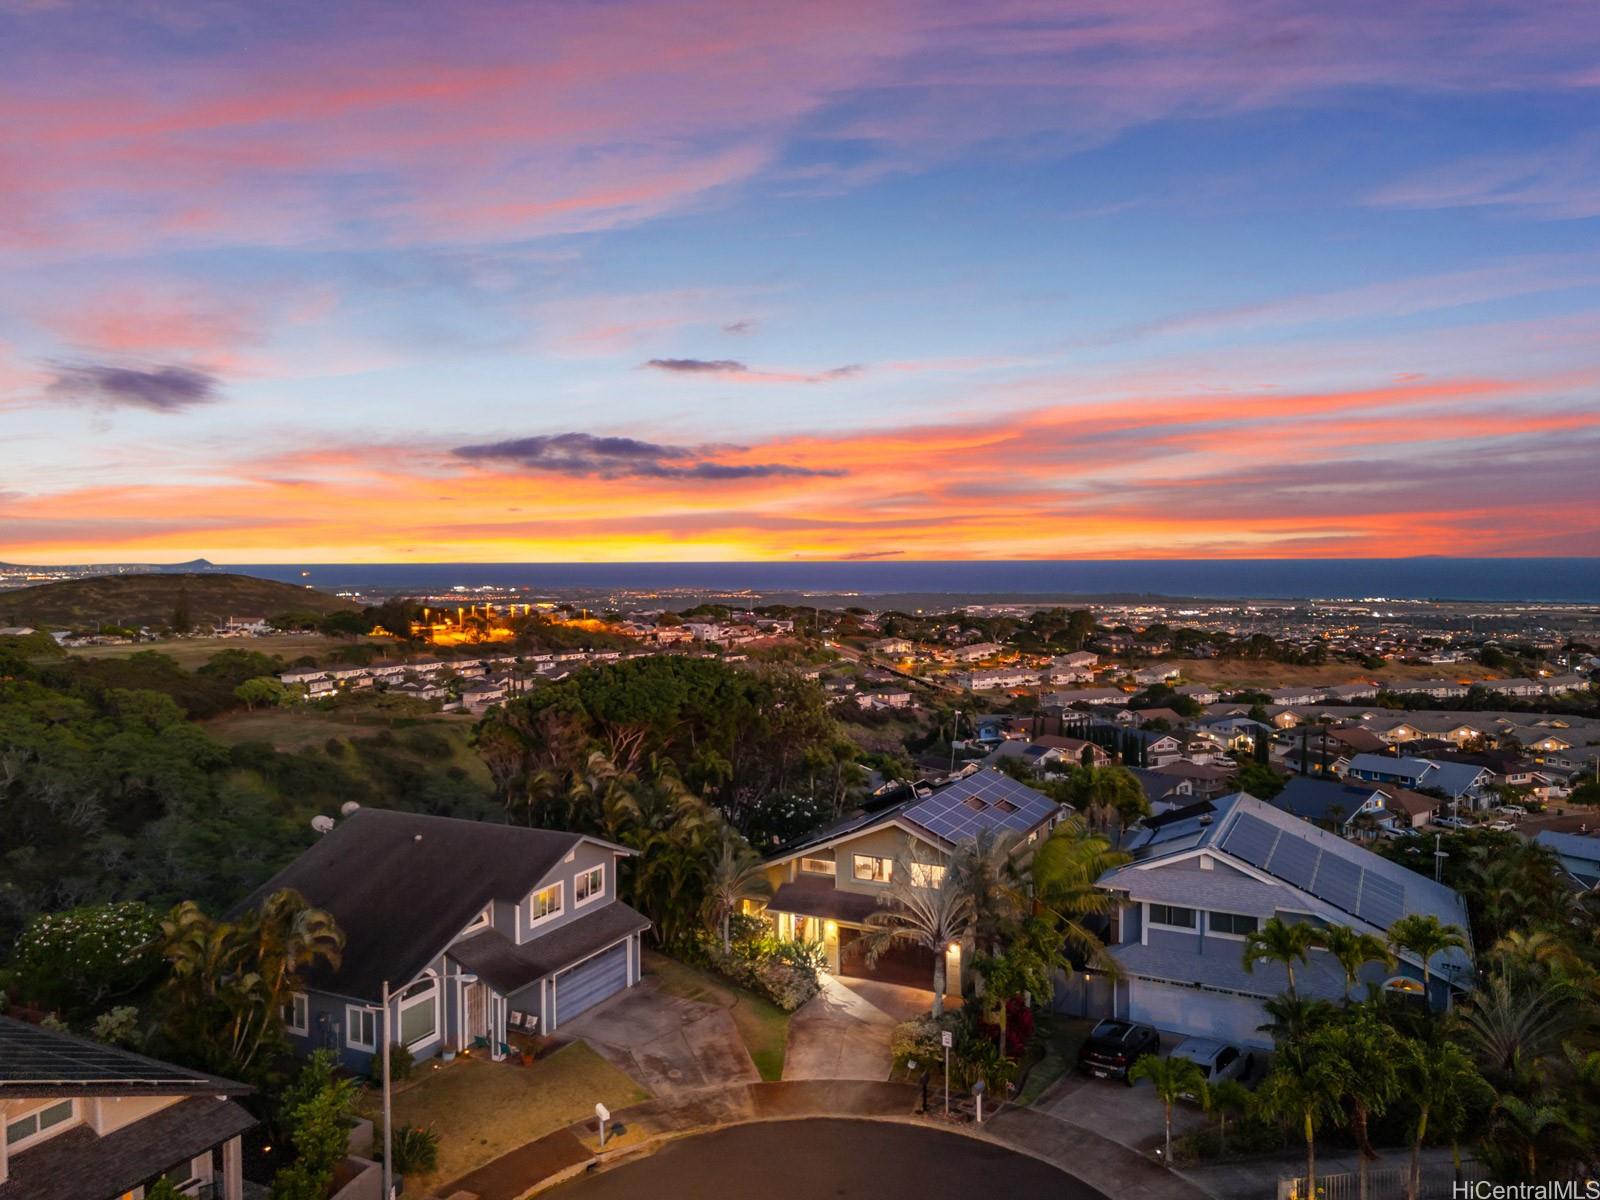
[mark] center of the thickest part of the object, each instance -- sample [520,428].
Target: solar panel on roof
[988,800]
[1295,860]
[1383,901]
[32,1055]
[1339,882]
[1251,839]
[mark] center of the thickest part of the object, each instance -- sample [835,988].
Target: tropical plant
[1226,1098]
[1295,1017]
[1064,874]
[317,1109]
[1282,941]
[1444,1085]
[1306,1087]
[1514,1027]
[1173,1079]
[1524,1133]
[416,1149]
[118,1027]
[1363,1050]
[923,906]
[1427,937]
[736,875]
[984,868]
[1353,949]
[230,980]
[79,959]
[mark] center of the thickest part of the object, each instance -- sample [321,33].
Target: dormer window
[544,904]
[481,921]
[589,885]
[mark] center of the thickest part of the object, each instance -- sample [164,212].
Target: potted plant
[449,1051]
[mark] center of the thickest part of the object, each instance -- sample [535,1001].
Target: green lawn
[1061,1036]
[193,652]
[482,1109]
[763,1025]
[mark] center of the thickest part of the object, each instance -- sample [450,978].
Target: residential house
[1578,853]
[1146,676]
[1337,806]
[80,1120]
[1198,886]
[1094,696]
[1164,791]
[894,647]
[826,885]
[999,677]
[475,928]
[1200,693]
[1461,783]
[1078,659]
[978,651]
[1205,779]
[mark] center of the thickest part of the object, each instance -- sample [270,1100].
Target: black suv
[1114,1046]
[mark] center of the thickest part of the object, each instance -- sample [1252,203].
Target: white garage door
[1197,1013]
[588,983]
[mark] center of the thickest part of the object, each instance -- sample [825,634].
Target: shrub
[416,1150]
[919,1039]
[400,1064]
[118,1027]
[785,971]
[79,958]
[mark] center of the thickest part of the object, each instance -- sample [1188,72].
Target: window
[546,902]
[1234,924]
[361,1027]
[1171,914]
[872,869]
[297,1014]
[590,885]
[481,921]
[927,875]
[419,1013]
[37,1122]
[819,866]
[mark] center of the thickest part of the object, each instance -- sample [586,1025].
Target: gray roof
[38,1063]
[506,966]
[1222,891]
[1366,887]
[1321,975]
[401,885]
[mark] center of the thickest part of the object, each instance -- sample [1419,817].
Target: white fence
[1383,1183]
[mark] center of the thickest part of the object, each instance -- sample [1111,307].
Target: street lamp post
[388,1122]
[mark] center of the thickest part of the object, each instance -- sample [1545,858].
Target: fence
[1383,1183]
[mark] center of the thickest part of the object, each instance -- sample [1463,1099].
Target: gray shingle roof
[506,966]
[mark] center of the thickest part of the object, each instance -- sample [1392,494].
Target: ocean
[1561,580]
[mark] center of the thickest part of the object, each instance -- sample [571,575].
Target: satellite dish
[348,807]
[322,824]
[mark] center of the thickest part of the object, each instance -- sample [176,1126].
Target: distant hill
[136,600]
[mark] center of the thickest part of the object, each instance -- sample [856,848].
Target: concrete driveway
[669,1044]
[1131,1116]
[843,1032]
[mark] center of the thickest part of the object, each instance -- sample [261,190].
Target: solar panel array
[1330,876]
[32,1055]
[987,800]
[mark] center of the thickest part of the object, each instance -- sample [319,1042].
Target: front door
[477,1012]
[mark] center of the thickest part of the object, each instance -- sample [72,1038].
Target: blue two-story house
[1204,878]
[476,929]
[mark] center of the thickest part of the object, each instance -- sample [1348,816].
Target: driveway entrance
[904,963]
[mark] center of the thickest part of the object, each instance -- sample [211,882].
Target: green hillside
[151,599]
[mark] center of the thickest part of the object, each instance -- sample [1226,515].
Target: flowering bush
[80,958]
[918,1040]
[785,971]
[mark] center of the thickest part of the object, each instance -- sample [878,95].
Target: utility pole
[955,726]
[388,1115]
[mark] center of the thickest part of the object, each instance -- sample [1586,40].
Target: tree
[1425,936]
[1364,1051]
[984,869]
[1064,872]
[1173,1078]
[1308,1087]
[1522,1131]
[1225,1098]
[79,959]
[262,690]
[921,905]
[1442,1082]
[182,618]
[1354,950]
[230,980]
[1515,1027]
[737,875]
[1281,941]
[317,1109]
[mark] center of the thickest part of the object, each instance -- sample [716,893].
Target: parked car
[1501,826]
[1452,823]
[1514,810]
[1113,1046]
[1219,1060]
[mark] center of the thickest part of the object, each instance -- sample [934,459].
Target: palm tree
[1425,936]
[1354,950]
[1365,1050]
[1064,873]
[1226,1097]
[1295,1017]
[1439,1079]
[1513,1028]
[984,868]
[1172,1078]
[1282,941]
[1523,1129]
[737,874]
[1308,1086]
[921,905]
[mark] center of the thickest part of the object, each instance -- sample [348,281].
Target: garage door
[590,982]
[1198,1013]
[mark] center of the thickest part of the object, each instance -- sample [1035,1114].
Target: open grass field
[481,1109]
[1242,673]
[135,600]
[193,652]
[762,1025]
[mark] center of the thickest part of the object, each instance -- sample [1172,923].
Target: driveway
[669,1044]
[843,1031]
[1131,1116]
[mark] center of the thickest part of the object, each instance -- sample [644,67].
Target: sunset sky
[286,282]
